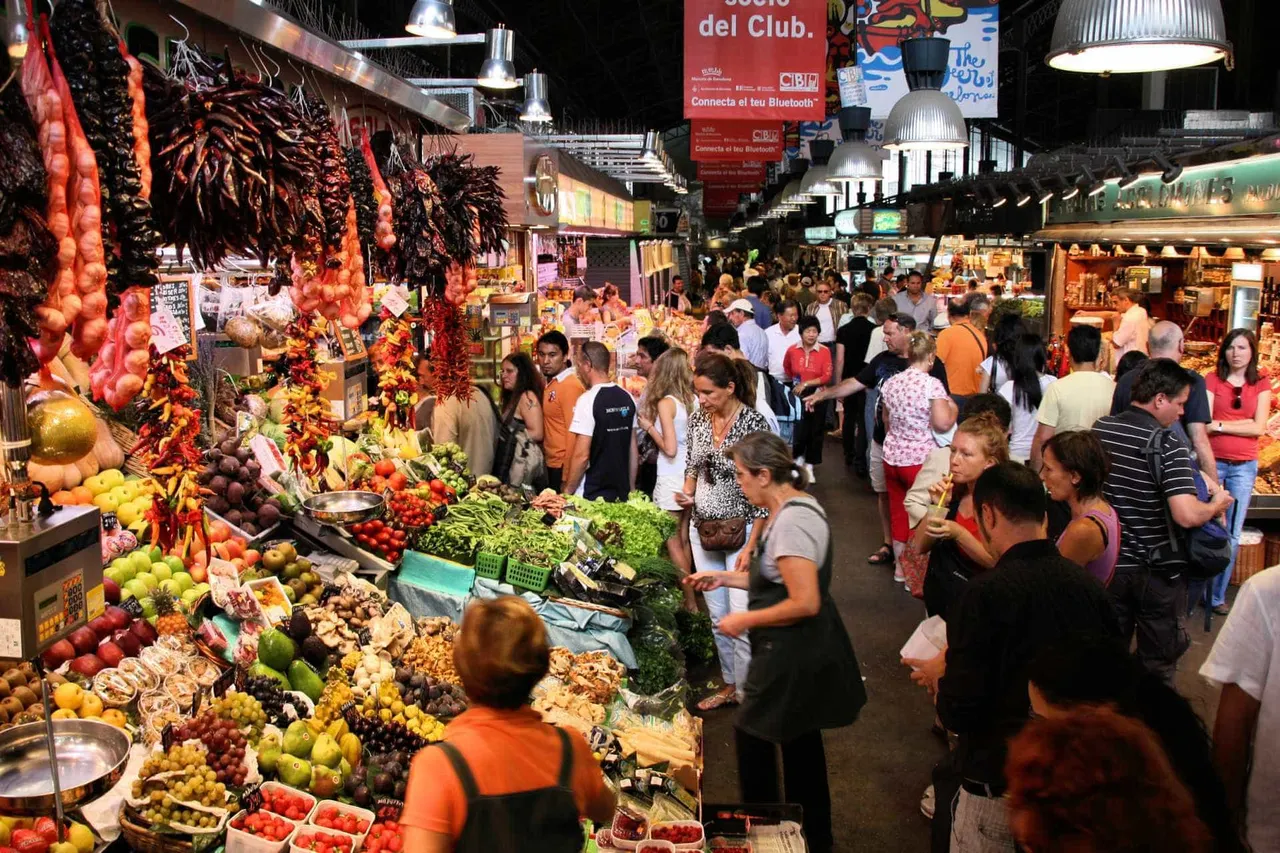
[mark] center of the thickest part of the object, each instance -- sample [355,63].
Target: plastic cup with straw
[938,511]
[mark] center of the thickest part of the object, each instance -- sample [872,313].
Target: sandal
[718,700]
[883,556]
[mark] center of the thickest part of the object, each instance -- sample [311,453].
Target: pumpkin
[51,475]
[107,452]
[87,467]
[71,476]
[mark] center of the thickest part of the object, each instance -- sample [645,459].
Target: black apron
[544,820]
[805,676]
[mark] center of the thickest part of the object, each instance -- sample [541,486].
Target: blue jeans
[1237,478]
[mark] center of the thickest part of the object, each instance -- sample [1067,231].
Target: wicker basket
[127,438]
[1250,556]
[142,839]
[1272,543]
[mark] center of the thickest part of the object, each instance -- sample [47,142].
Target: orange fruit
[115,717]
[82,495]
[62,497]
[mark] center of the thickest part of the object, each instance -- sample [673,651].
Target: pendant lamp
[925,118]
[498,71]
[536,107]
[1129,36]
[432,19]
[16,34]
[800,169]
[854,160]
[817,181]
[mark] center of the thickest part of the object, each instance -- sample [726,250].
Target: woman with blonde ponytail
[803,675]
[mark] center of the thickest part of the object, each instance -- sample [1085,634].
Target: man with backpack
[1156,492]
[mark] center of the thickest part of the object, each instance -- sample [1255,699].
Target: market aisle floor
[880,766]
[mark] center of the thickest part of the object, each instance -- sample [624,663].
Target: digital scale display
[59,606]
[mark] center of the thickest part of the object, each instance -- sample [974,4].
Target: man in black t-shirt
[1166,341]
[603,461]
[852,340]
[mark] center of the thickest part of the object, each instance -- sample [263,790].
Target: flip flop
[883,556]
[717,700]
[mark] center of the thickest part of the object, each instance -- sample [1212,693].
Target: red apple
[88,665]
[110,653]
[128,641]
[111,590]
[84,639]
[119,618]
[144,631]
[101,626]
[58,654]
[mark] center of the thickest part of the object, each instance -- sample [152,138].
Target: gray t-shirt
[796,532]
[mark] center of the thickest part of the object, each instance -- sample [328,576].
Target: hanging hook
[253,60]
[265,56]
[186,33]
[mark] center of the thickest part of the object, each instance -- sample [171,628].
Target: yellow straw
[946,488]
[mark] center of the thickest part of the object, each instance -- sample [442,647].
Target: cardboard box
[235,359]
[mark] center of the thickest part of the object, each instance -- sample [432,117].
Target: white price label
[396,300]
[166,333]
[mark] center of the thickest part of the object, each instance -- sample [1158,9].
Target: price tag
[166,333]
[396,301]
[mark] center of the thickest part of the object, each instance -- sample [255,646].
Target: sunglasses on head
[1237,402]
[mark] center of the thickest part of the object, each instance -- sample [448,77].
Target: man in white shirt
[1245,660]
[1134,324]
[781,336]
[751,338]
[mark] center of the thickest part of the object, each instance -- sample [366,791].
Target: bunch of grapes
[195,782]
[270,695]
[243,710]
[225,742]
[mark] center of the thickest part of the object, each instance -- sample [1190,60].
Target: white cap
[742,305]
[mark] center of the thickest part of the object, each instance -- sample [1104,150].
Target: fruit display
[177,788]
[331,816]
[231,474]
[679,833]
[434,697]
[143,573]
[264,825]
[384,837]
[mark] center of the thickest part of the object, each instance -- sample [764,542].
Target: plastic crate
[525,576]
[490,566]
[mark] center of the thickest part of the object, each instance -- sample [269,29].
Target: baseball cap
[742,305]
[806,281]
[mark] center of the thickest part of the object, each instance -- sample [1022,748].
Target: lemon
[63,714]
[106,502]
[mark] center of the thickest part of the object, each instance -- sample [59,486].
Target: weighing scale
[50,579]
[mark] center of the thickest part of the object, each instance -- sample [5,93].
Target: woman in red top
[808,365]
[1240,403]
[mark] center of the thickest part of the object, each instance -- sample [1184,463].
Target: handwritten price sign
[396,301]
[166,332]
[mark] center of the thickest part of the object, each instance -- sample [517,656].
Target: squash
[87,467]
[71,476]
[62,427]
[51,475]
[107,452]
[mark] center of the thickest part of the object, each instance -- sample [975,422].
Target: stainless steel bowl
[341,508]
[91,759]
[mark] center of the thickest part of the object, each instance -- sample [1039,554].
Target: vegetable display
[394,359]
[644,527]
[529,540]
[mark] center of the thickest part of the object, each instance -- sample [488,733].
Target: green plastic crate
[490,566]
[525,576]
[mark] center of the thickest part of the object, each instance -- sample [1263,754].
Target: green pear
[326,751]
[294,772]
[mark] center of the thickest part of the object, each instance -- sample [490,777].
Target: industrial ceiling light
[498,71]
[925,118]
[1127,178]
[1091,184]
[16,34]
[1170,171]
[432,19]
[999,199]
[536,106]
[817,181]
[1024,198]
[1114,37]
[1042,194]
[1069,191]
[854,160]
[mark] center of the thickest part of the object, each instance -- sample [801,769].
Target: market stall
[244,559]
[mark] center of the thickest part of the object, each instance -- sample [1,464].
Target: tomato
[437,485]
[384,468]
[384,535]
[399,535]
[373,526]
[397,480]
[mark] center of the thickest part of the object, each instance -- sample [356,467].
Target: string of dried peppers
[167,439]
[393,359]
[306,412]
[448,339]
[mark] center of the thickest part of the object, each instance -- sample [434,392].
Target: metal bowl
[342,508]
[91,759]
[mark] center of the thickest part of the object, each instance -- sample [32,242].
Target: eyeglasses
[1238,401]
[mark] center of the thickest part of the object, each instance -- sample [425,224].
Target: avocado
[315,652]
[299,626]
[275,649]
[261,668]
[304,679]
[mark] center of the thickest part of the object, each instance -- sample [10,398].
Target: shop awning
[1260,231]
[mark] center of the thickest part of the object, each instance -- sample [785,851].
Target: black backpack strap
[461,769]
[1154,452]
[1102,528]
[566,759]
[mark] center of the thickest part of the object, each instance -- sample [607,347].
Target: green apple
[148,608]
[137,588]
[148,580]
[161,571]
[175,563]
[172,587]
[202,586]
[155,555]
[183,580]
[189,596]
[125,594]
[140,560]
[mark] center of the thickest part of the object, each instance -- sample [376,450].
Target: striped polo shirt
[1130,488]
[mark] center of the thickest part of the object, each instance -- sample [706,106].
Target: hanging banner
[734,141]
[719,200]
[749,171]
[973,26]
[745,59]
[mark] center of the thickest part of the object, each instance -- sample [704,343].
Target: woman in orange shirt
[503,780]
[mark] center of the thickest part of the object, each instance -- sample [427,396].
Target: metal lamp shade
[816,184]
[793,197]
[432,19]
[16,34]
[1129,36]
[536,106]
[499,68]
[855,161]
[925,119]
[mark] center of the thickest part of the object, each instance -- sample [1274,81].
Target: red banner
[755,59]
[734,141]
[751,170]
[720,200]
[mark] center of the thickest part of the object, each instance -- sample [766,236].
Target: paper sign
[395,301]
[166,333]
[853,91]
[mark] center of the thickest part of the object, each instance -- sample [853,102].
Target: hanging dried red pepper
[393,359]
[447,337]
[306,412]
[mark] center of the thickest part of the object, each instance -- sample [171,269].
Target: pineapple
[169,620]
